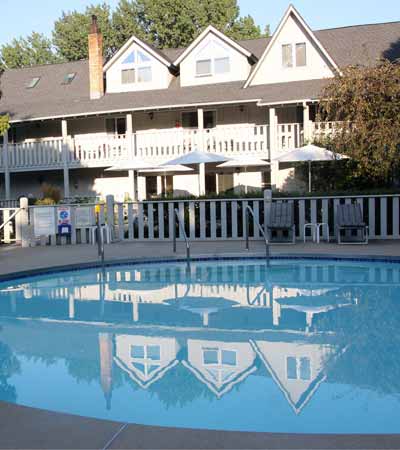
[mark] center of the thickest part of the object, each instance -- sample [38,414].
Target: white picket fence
[224,219]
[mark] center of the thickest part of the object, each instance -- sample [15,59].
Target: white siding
[209,48]
[161,77]
[270,68]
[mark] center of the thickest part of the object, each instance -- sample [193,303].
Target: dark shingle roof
[349,45]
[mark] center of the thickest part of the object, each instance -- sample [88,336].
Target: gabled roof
[158,54]
[291,11]
[222,36]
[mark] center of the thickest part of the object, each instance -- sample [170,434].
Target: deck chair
[282,219]
[349,217]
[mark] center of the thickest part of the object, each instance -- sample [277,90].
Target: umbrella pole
[309,176]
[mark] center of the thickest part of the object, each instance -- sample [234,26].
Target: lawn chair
[282,219]
[349,217]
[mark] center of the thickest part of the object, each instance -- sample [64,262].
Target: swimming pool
[305,346]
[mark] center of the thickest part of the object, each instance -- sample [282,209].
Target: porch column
[130,154]
[65,151]
[274,148]
[200,143]
[307,124]
[7,183]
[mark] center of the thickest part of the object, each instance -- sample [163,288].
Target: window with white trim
[146,358]
[298,368]
[297,58]
[210,67]
[220,364]
[301,57]
[136,68]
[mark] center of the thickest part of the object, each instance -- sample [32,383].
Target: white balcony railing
[94,150]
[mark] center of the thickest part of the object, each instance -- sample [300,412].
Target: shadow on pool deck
[23,427]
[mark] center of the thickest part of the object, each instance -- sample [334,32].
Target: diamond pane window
[128,76]
[130,59]
[144,74]
[33,82]
[221,65]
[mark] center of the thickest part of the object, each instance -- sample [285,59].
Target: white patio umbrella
[167,169]
[244,161]
[198,158]
[309,153]
[131,165]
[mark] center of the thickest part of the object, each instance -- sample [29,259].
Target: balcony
[155,146]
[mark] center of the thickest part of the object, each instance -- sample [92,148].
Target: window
[116,125]
[209,67]
[298,368]
[146,358]
[221,65]
[136,68]
[203,68]
[215,356]
[33,82]
[69,78]
[301,59]
[128,76]
[144,74]
[190,119]
[287,57]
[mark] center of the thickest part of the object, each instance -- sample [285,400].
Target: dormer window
[136,68]
[287,55]
[209,67]
[32,83]
[301,59]
[291,59]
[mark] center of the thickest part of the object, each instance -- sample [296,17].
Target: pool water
[301,346]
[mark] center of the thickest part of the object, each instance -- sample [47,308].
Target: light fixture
[151,115]
[241,108]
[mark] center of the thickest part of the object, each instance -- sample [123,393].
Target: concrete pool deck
[23,427]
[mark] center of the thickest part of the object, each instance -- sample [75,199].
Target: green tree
[71,31]
[125,23]
[244,28]
[365,103]
[31,51]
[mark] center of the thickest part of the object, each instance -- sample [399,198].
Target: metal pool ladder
[178,219]
[249,210]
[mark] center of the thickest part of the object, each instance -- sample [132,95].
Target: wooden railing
[154,146]
[225,219]
[290,135]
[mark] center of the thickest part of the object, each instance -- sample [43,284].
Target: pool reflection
[207,335]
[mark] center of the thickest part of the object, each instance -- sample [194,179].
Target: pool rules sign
[64,220]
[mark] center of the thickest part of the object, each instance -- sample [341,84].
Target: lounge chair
[282,219]
[349,217]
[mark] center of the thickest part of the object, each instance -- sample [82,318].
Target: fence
[214,219]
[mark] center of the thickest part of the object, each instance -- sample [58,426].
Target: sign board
[84,217]
[64,220]
[44,222]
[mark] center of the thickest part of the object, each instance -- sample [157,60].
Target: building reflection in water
[220,323]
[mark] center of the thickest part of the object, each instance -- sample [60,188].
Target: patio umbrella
[198,158]
[309,153]
[135,164]
[244,161]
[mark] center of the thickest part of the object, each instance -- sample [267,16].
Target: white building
[71,121]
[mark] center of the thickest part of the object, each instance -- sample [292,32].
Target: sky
[21,17]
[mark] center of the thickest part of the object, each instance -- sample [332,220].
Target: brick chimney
[96,80]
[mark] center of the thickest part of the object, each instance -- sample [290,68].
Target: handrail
[11,218]
[249,210]
[182,228]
